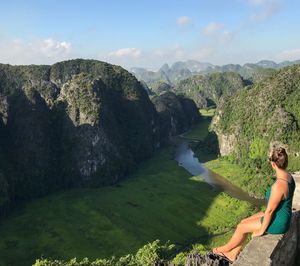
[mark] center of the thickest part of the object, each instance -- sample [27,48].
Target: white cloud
[126,52]
[203,53]
[293,54]
[154,58]
[264,9]
[124,57]
[45,51]
[216,32]
[258,2]
[268,11]
[212,28]
[226,36]
[184,21]
[54,48]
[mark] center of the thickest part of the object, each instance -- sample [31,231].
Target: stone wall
[276,249]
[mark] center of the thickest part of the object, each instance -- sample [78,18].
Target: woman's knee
[249,226]
[240,226]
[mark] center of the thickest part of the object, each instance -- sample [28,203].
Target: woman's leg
[259,214]
[234,245]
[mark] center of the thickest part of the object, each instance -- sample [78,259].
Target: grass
[161,201]
[207,112]
[200,131]
[233,172]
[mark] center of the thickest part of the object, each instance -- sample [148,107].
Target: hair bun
[280,150]
[279,156]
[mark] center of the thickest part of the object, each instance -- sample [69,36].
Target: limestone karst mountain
[252,119]
[78,122]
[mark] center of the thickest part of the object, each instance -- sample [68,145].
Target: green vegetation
[255,118]
[253,73]
[201,130]
[208,112]
[207,90]
[198,131]
[237,175]
[176,113]
[161,201]
[75,123]
[151,253]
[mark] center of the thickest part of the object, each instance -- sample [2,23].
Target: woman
[277,217]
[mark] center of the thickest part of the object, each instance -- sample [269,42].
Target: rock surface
[208,259]
[176,114]
[280,249]
[78,122]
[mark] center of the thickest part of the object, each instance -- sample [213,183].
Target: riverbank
[235,174]
[160,201]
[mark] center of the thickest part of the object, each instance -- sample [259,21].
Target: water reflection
[186,158]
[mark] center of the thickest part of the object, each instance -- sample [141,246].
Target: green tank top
[281,218]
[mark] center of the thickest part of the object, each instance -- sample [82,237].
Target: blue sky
[149,33]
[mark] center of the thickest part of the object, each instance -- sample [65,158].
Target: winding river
[186,158]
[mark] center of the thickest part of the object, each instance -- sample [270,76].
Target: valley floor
[160,201]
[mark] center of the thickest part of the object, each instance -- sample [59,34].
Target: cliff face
[269,111]
[70,124]
[78,122]
[176,114]
[248,122]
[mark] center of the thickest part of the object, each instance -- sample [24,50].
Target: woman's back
[282,215]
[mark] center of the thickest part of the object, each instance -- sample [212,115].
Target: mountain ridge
[181,70]
[251,121]
[75,123]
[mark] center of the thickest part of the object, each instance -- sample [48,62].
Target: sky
[149,33]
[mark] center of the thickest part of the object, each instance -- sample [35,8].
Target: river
[186,159]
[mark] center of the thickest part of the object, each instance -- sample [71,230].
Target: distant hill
[151,78]
[251,72]
[207,90]
[184,69]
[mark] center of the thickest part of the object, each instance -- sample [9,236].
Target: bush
[149,254]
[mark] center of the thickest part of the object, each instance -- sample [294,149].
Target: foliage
[160,201]
[176,114]
[207,90]
[207,112]
[180,258]
[198,131]
[149,254]
[77,122]
[258,149]
[257,118]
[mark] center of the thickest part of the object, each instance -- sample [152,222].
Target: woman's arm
[274,200]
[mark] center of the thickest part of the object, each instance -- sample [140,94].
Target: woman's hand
[257,233]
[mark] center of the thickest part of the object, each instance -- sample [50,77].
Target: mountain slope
[207,90]
[253,119]
[180,70]
[78,122]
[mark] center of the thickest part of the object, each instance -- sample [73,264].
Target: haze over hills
[206,90]
[184,69]
[135,133]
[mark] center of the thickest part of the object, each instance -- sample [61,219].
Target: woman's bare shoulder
[279,187]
